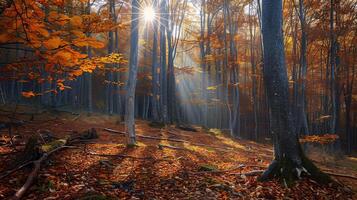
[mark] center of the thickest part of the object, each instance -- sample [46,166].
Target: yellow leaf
[52,43]
[212,87]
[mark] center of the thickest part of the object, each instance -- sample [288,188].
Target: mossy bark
[287,171]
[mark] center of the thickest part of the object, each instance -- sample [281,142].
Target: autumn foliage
[57,39]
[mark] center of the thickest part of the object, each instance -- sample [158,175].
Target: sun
[149,14]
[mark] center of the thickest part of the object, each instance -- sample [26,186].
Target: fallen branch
[159,138]
[250,173]
[220,171]
[341,175]
[9,172]
[144,136]
[120,156]
[37,163]
[161,146]
[52,147]
[213,147]
[168,139]
[114,131]
[76,117]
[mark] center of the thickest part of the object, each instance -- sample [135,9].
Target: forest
[178,99]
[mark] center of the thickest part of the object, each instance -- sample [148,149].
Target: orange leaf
[52,43]
[76,21]
[28,94]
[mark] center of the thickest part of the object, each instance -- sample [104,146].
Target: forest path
[210,165]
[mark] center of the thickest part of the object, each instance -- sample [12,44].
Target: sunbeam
[148,14]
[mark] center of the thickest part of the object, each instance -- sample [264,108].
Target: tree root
[288,172]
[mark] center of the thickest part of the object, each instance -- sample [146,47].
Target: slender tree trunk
[133,66]
[203,63]
[89,75]
[332,68]
[163,71]
[254,73]
[154,72]
[302,117]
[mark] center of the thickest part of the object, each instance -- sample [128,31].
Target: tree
[302,118]
[163,65]
[133,67]
[289,160]
[154,72]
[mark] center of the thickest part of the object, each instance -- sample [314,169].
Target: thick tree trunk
[289,161]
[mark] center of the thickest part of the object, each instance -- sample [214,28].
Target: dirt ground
[206,165]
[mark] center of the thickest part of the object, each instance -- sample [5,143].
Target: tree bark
[133,67]
[289,162]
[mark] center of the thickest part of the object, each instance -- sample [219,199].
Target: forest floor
[190,165]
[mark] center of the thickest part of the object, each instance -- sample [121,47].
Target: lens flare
[149,14]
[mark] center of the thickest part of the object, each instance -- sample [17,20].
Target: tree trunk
[155,81]
[133,66]
[289,160]
[302,117]
[163,71]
